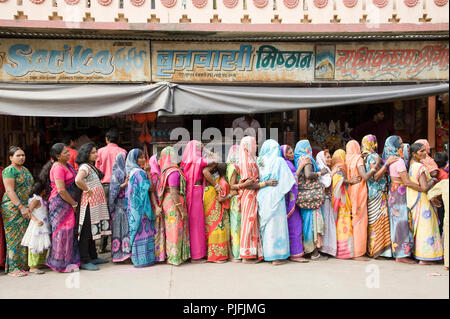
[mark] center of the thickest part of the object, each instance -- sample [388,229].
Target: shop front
[51,88]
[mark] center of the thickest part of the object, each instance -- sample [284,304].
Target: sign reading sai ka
[236,62]
[74,61]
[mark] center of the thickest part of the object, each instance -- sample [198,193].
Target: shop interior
[327,128]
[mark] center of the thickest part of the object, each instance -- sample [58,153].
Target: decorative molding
[380,3]
[394,19]
[20,16]
[55,17]
[72,2]
[364,19]
[411,3]
[425,18]
[291,4]
[120,18]
[350,3]
[230,3]
[37,1]
[440,3]
[215,19]
[137,3]
[276,19]
[153,19]
[88,18]
[246,19]
[185,19]
[168,3]
[306,19]
[199,3]
[335,19]
[260,3]
[320,3]
[105,3]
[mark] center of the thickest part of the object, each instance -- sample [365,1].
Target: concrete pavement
[321,279]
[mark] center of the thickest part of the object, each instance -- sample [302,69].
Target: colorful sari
[160,241]
[294,219]
[358,197]
[120,246]
[64,255]
[140,215]
[427,239]
[177,231]
[272,203]
[235,213]
[192,165]
[329,238]
[402,240]
[15,224]
[216,232]
[313,224]
[250,236]
[342,207]
[2,233]
[379,236]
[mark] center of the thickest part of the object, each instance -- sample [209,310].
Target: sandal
[37,271]
[17,274]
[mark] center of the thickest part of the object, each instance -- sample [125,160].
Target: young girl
[37,235]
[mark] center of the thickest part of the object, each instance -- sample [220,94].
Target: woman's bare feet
[234,260]
[250,261]
[361,258]
[278,262]
[17,274]
[198,261]
[219,261]
[299,259]
[406,260]
[423,262]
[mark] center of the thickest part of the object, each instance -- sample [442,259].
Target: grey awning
[93,100]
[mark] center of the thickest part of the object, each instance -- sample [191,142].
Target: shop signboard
[232,62]
[396,61]
[37,60]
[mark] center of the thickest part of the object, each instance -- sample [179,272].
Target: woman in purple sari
[293,212]
[64,255]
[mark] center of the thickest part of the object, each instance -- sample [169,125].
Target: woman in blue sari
[271,203]
[140,215]
[313,223]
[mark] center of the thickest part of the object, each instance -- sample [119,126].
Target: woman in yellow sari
[342,206]
[427,240]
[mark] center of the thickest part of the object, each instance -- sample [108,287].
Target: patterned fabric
[400,222]
[140,215]
[120,244]
[427,240]
[2,232]
[311,193]
[392,147]
[98,208]
[369,144]
[192,165]
[176,228]
[272,203]
[216,233]
[234,212]
[428,161]
[303,148]
[64,254]
[295,224]
[250,236]
[14,223]
[321,161]
[37,238]
[358,197]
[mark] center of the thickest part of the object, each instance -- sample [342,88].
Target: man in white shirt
[245,122]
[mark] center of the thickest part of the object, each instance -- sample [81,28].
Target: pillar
[303,124]
[432,122]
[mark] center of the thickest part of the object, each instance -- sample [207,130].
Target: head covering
[322,163]
[154,166]
[406,154]
[272,166]
[338,158]
[247,158]
[303,148]
[392,147]
[284,150]
[428,161]
[131,162]
[233,155]
[369,144]
[118,177]
[353,156]
[168,163]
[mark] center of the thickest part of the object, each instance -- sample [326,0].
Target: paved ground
[322,279]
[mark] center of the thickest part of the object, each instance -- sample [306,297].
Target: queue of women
[283,204]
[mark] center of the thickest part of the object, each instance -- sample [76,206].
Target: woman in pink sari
[155,200]
[192,165]
[358,196]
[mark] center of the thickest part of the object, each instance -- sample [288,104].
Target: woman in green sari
[16,215]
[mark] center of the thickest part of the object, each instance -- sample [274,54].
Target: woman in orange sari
[358,197]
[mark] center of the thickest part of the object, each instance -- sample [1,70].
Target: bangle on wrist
[386,165]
